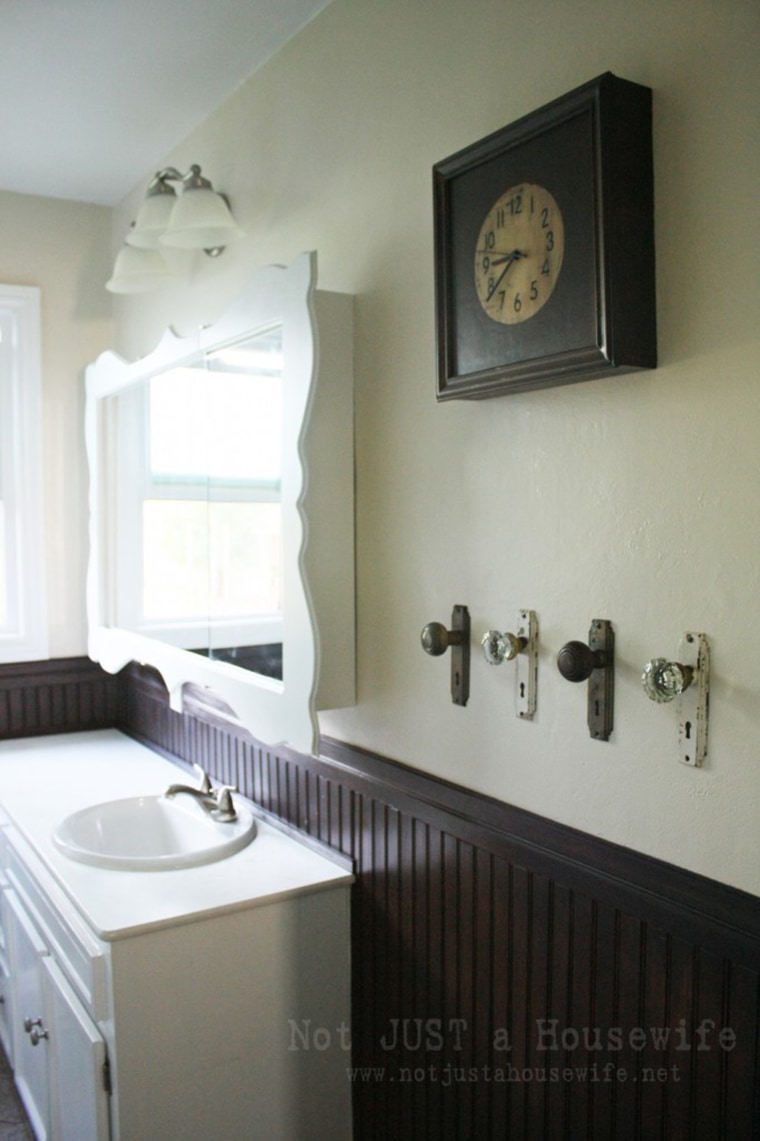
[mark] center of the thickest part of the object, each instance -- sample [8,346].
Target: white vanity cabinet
[208,1003]
[55,1044]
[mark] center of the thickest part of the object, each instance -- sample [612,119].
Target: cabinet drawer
[76,948]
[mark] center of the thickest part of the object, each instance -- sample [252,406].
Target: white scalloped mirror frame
[317,509]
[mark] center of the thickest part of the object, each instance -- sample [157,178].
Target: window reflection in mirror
[199,473]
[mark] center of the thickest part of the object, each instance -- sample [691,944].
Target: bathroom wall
[62,248]
[631,499]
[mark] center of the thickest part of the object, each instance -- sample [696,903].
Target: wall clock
[544,247]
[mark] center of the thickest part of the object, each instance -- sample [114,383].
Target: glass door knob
[498,647]
[663,680]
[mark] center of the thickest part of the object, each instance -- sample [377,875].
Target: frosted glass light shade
[201,220]
[138,271]
[152,219]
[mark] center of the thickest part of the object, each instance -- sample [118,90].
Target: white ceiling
[94,93]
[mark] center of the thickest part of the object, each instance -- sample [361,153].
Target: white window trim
[25,636]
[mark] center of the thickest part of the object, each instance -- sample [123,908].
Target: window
[23,612]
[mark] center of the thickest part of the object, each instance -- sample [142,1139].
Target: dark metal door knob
[576,661]
[436,639]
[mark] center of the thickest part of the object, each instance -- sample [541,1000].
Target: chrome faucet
[216,801]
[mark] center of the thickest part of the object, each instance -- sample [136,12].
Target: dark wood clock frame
[592,149]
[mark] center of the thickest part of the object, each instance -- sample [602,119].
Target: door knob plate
[526,680]
[522,649]
[601,683]
[693,703]
[577,661]
[436,640]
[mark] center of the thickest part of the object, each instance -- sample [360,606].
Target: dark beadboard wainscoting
[63,695]
[512,978]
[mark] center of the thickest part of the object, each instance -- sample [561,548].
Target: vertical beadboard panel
[511,979]
[58,696]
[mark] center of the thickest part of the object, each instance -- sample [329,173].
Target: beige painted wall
[634,499]
[62,248]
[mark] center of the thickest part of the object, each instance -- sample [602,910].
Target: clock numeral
[518,254]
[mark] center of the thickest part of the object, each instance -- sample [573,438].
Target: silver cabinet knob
[35,1030]
[498,647]
[664,681]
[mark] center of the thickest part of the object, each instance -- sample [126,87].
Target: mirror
[197,461]
[221,507]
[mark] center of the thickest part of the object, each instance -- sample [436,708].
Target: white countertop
[44,779]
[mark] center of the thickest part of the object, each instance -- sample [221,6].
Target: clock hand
[509,259]
[513,256]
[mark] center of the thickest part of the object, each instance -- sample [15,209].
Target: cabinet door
[30,1048]
[79,1100]
[5,988]
[5,1008]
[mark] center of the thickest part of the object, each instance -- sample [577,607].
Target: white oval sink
[151,833]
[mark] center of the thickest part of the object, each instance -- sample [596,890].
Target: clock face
[518,255]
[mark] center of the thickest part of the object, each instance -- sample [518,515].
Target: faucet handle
[205,779]
[224,805]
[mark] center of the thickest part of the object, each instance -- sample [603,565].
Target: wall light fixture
[198,218]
